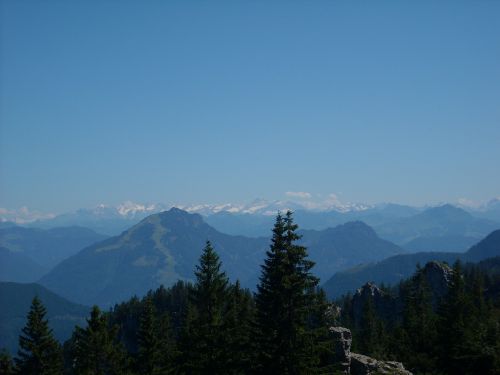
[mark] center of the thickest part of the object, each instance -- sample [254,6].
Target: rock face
[358,364]
[342,338]
[384,304]
[438,277]
[363,365]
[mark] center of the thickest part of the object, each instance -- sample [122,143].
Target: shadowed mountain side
[48,247]
[396,268]
[18,267]
[15,300]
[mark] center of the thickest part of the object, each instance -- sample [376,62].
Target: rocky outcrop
[358,364]
[438,276]
[342,338]
[383,304]
[364,365]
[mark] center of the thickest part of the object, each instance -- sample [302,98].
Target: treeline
[209,327]
[213,326]
[456,334]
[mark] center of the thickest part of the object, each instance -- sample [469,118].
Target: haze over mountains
[165,247]
[151,246]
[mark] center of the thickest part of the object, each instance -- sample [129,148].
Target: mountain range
[393,269]
[27,253]
[165,247]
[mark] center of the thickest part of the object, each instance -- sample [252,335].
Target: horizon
[160,103]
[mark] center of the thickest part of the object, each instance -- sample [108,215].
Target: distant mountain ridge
[15,299]
[165,247]
[396,268]
[47,247]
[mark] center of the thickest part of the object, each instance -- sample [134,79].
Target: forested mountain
[393,269]
[47,247]
[441,320]
[163,248]
[15,299]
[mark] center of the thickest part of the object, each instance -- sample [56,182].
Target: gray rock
[438,276]
[342,338]
[358,364]
[364,365]
[384,304]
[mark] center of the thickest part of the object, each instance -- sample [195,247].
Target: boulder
[342,339]
[364,365]
[357,364]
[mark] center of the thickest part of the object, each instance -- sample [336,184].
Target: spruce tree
[285,301]
[237,328]
[6,363]
[96,348]
[155,344]
[204,339]
[419,325]
[39,353]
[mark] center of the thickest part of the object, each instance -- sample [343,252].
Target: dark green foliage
[460,335]
[6,363]
[285,301]
[39,353]
[96,348]
[156,345]
[205,340]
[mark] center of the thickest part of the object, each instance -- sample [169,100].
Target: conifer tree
[419,325]
[204,337]
[237,327]
[149,356]
[39,353]
[97,350]
[6,363]
[285,300]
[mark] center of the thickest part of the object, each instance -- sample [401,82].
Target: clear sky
[226,101]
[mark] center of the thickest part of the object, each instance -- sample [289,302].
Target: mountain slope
[47,247]
[15,300]
[396,268]
[160,249]
[446,220]
[344,246]
[165,247]
[18,267]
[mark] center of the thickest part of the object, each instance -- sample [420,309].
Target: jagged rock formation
[364,365]
[384,304]
[358,364]
[438,277]
[342,338]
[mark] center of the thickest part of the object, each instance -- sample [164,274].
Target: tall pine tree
[39,353]
[204,340]
[285,301]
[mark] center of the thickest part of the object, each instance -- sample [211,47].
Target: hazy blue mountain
[396,268]
[255,225]
[7,224]
[165,247]
[445,243]
[446,220]
[47,247]
[18,267]
[344,246]
[15,300]
[160,249]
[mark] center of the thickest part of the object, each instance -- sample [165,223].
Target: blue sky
[198,101]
